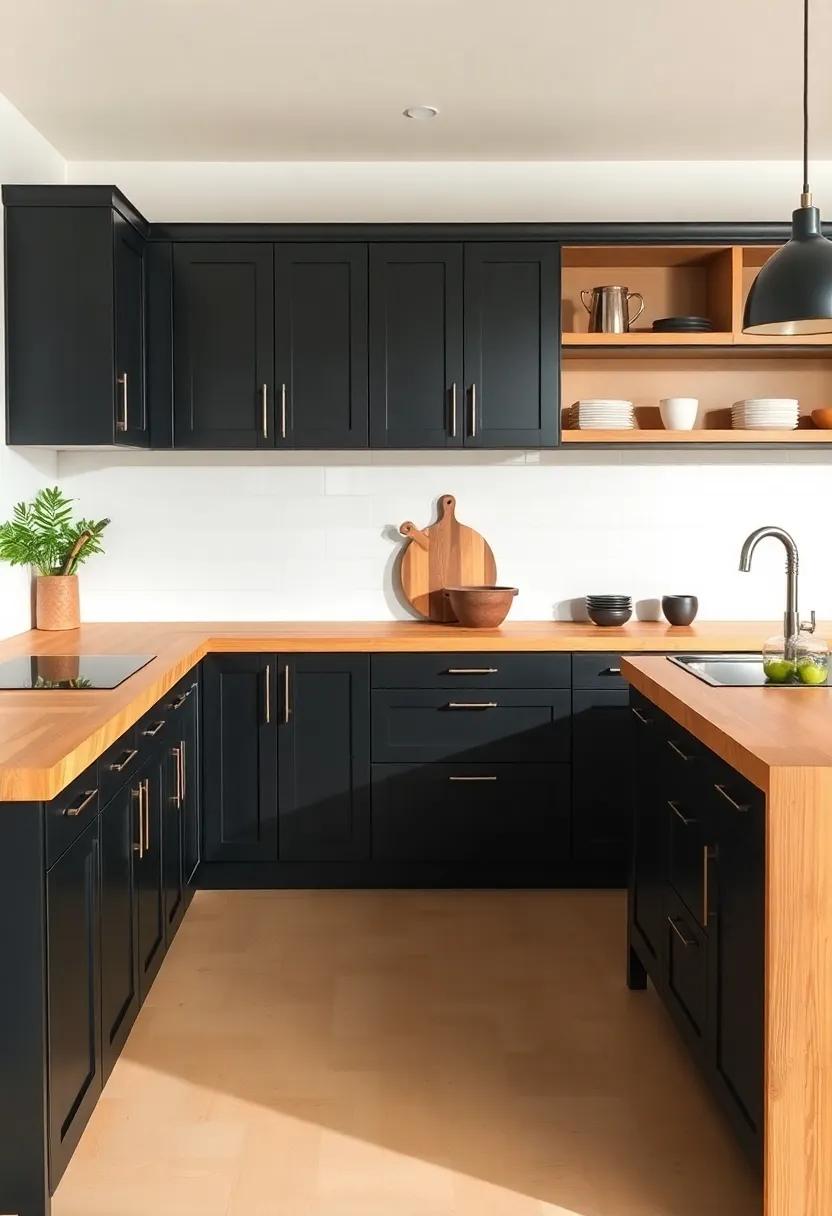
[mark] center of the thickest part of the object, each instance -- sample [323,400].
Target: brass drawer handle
[686,941]
[180,700]
[674,806]
[723,793]
[610,671]
[154,730]
[122,765]
[472,778]
[675,748]
[473,671]
[83,800]
[645,721]
[472,705]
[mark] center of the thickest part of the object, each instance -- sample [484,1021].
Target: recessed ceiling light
[420,112]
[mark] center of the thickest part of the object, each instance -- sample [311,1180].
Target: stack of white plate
[602,414]
[765,414]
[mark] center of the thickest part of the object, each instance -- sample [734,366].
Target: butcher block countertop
[754,730]
[48,738]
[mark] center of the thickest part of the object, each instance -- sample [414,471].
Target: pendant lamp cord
[806,96]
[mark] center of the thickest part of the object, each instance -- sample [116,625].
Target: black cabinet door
[416,346]
[73,976]
[324,748]
[512,294]
[602,776]
[119,830]
[321,346]
[151,903]
[188,731]
[649,871]
[128,263]
[240,757]
[173,865]
[223,345]
[737,934]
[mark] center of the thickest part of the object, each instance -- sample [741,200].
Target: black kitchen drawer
[70,812]
[471,812]
[155,726]
[688,853]
[118,764]
[687,970]
[471,725]
[483,670]
[727,791]
[601,670]
[178,696]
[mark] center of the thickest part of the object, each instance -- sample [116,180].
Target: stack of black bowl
[609,609]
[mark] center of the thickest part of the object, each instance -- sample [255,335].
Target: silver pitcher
[609,309]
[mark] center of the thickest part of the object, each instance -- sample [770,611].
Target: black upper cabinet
[240,757]
[324,749]
[73,977]
[223,345]
[321,346]
[511,335]
[75,288]
[416,390]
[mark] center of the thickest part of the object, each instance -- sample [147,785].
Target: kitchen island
[746,773]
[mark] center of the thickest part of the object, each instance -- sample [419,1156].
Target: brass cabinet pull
[182,768]
[472,705]
[268,705]
[473,411]
[686,941]
[180,700]
[472,778]
[641,717]
[139,848]
[473,671]
[83,800]
[453,410]
[146,785]
[283,411]
[122,765]
[723,793]
[155,728]
[177,797]
[674,806]
[287,695]
[264,404]
[611,671]
[675,748]
[121,421]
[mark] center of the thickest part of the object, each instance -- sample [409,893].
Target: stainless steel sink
[731,670]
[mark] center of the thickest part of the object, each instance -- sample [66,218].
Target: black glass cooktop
[62,671]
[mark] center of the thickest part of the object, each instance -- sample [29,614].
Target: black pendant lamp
[792,294]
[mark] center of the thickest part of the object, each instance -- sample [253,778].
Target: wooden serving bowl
[480,607]
[823,419]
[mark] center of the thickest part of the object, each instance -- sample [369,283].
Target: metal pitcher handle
[588,307]
[635,295]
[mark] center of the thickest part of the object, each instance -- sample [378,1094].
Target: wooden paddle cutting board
[445,554]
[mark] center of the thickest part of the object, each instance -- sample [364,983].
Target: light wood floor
[404,1054]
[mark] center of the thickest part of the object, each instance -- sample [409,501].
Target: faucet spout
[791,617]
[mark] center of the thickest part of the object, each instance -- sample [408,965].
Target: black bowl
[610,616]
[680,609]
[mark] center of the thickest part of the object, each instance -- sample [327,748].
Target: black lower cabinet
[173,859]
[73,984]
[471,813]
[121,822]
[696,908]
[601,765]
[150,876]
[188,742]
[240,757]
[324,758]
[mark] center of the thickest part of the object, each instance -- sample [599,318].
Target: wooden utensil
[445,554]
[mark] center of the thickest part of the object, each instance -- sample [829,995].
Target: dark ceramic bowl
[680,609]
[610,616]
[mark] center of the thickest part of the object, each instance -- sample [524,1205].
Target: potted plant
[42,534]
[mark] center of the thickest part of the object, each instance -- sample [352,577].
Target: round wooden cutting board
[445,554]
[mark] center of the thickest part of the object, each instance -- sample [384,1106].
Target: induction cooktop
[57,672]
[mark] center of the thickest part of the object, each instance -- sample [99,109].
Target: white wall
[25,156]
[210,536]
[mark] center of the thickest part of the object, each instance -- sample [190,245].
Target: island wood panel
[47,739]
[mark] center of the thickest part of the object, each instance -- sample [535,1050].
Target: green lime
[811,672]
[778,670]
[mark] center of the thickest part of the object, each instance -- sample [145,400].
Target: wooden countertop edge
[180,646]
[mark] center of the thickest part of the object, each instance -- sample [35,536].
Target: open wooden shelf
[636,436]
[636,338]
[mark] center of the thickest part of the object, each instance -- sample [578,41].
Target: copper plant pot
[57,604]
[480,607]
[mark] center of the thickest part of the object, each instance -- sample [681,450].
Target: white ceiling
[328,79]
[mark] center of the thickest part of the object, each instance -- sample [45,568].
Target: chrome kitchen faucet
[792,624]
